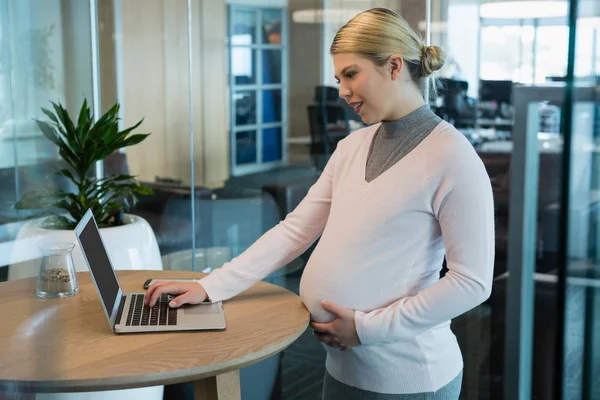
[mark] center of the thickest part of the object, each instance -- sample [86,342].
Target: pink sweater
[381,250]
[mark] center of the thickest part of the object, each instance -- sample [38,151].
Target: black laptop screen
[99,265]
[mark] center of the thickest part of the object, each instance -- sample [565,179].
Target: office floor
[303,361]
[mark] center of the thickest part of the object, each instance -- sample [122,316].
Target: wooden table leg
[221,387]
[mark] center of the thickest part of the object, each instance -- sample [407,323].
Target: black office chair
[328,124]
[330,94]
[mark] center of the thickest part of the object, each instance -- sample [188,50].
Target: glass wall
[45,56]
[506,87]
[578,284]
[243,111]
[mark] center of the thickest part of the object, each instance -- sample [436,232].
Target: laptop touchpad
[201,309]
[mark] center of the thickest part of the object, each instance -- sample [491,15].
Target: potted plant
[129,239]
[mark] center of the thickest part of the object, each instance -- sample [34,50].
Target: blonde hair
[378,33]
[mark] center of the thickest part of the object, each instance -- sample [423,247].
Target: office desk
[66,345]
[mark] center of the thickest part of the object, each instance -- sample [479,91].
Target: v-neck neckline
[366,185]
[364,155]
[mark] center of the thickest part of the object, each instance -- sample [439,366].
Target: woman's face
[363,85]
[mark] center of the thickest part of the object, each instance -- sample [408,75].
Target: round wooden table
[66,345]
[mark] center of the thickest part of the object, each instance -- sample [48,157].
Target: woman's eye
[348,75]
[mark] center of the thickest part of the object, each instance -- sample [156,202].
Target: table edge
[163,378]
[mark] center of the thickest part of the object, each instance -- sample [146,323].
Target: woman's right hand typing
[188,293]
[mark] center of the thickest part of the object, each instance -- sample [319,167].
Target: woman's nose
[345,93]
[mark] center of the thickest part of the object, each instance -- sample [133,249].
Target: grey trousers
[336,390]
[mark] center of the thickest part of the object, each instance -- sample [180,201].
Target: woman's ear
[395,64]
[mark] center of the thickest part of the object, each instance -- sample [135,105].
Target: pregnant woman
[393,200]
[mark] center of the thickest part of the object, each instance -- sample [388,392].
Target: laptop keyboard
[142,315]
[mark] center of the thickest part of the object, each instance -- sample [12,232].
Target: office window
[535,50]
[506,53]
[258,96]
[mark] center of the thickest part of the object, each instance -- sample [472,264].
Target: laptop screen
[99,264]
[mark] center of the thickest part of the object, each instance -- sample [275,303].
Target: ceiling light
[320,16]
[524,9]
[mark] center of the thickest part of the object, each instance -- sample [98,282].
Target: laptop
[126,312]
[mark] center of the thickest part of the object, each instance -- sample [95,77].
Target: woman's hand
[189,293]
[339,333]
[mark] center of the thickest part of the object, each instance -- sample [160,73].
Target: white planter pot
[130,246]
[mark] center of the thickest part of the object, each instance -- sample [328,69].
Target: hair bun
[432,59]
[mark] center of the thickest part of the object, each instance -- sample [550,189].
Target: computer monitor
[498,91]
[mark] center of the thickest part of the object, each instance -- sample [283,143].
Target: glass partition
[579,331]
[236,94]
[45,56]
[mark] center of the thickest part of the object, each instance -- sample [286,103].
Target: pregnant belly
[332,285]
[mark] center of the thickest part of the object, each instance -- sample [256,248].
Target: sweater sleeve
[462,202]
[278,246]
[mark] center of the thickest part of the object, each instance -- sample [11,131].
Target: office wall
[305,65]
[146,54]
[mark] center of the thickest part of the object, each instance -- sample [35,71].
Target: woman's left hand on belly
[339,333]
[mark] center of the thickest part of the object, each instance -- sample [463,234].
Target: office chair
[330,94]
[328,123]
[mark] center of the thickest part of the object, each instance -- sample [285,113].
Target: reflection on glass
[271,26]
[244,26]
[243,65]
[271,66]
[271,145]
[245,147]
[245,107]
[271,106]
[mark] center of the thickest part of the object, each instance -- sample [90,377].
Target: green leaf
[126,132]
[141,189]
[134,139]
[66,172]
[114,206]
[49,132]
[63,116]
[111,134]
[70,159]
[117,178]
[50,115]
[84,114]
[42,199]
